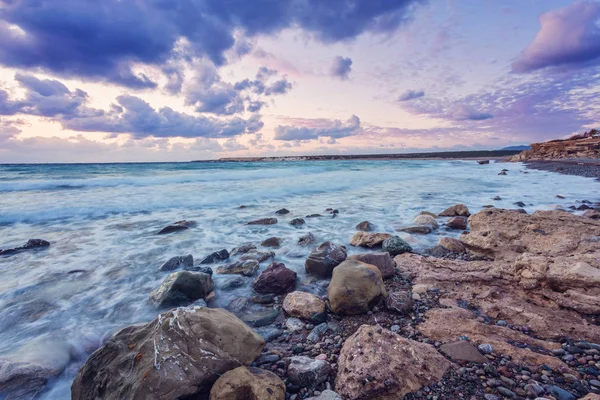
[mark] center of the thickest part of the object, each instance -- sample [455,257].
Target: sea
[63,302]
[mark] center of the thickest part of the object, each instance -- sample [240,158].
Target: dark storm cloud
[411,95]
[341,67]
[101,40]
[313,129]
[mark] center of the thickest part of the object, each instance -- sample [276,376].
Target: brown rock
[400,302]
[463,351]
[456,210]
[353,287]
[179,354]
[246,268]
[322,260]
[271,242]
[381,260]
[367,239]
[396,366]
[593,214]
[276,279]
[303,305]
[258,256]
[556,149]
[263,221]
[451,244]
[428,220]
[365,226]
[457,223]
[416,229]
[248,383]
[428,213]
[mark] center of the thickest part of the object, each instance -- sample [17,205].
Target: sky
[164,80]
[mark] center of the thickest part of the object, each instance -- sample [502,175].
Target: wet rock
[354,286]
[258,256]
[483,162]
[520,204]
[559,393]
[232,283]
[593,214]
[313,216]
[497,198]
[276,279]
[248,383]
[30,245]
[294,324]
[181,288]
[365,226]
[253,314]
[322,260]
[455,210]
[303,305]
[217,256]
[246,268]
[297,222]
[146,362]
[201,268]
[452,245]
[400,302]
[177,227]
[326,395]
[395,245]
[416,229]
[321,330]
[376,363]
[504,173]
[428,213]
[307,239]
[306,372]
[463,351]
[428,220]
[177,262]
[368,239]
[243,249]
[271,242]
[457,223]
[381,260]
[283,211]
[263,221]
[269,333]
[263,298]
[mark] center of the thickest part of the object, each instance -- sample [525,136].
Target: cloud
[568,37]
[341,67]
[281,86]
[104,40]
[316,128]
[463,112]
[411,94]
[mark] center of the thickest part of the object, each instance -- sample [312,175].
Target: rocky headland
[509,309]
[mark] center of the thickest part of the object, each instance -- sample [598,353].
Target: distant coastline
[445,155]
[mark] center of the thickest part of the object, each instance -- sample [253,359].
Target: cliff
[586,148]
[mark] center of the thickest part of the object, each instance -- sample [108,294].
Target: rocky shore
[510,310]
[590,168]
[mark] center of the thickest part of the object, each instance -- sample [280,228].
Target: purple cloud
[569,36]
[341,67]
[317,128]
[411,95]
[463,112]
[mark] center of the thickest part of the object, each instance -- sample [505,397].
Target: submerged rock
[297,222]
[147,362]
[455,210]
[253,314]
[177,227]
[307,239]
[30,245]
[177,262]
[248,383]
[232,283]
[303,305]
[354,285]
[282,211]
[246,268]
[365,226]
[272,242]
[263,221]
[183,287]
[322,260]
[217,256]
[425,219]
[258,256]
[276,279]
[243,249]
[396,245]
[368,239]
[382,260]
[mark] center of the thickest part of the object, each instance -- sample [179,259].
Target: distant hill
[516,148]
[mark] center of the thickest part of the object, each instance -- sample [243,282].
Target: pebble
[505,392]
[395,328]
[485,348]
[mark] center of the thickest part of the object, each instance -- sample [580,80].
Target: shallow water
[102,221]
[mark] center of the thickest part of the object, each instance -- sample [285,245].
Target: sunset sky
[165,80]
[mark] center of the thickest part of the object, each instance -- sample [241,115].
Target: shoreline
[589,168]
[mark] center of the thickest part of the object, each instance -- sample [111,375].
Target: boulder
[307,239]
[365,226]
[416,229]
[424,219]
[297,222]
[396,245]
[322,260]
[183,287]
[381,260]
[303,305]
[177,262]
[248,383]
[457,223]
[216,257]
[483,162]
[263,221]
[276,279]
[455,210]
[282,211]
[179,354]
[246,268]
[307,372]
[400,302]
[368,239]
[30,245]
[395,366]
[354,286]
[452,245]
[177,227]
[271,242]
[463,351]
[243,249]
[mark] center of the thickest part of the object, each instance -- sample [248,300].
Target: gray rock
[485,348]
[297,222]
[201,268]
[505,392]
[181,288]
[307,239]
[322,260]
[215,257]
[232,283]
[306,372]
[30,245]
[416,229]
[294,324]
[327,395]
[400,302]
[559,393]
[365,226]
[246,268]
[177,227]
[269,333]
[177,262]
[243,249]
[282,211]
[321,329]
[395,245]
[263,221]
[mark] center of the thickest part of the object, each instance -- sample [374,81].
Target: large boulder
[276,279]
[180,353]
[303,305]
[307,372]
[178,261]
[248,383]
[396,245]
[455,210]
[322,260]
[368,239]
[395,366]
[183,287]
[381,260]
[354,286]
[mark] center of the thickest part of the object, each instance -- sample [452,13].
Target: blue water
[103,219]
